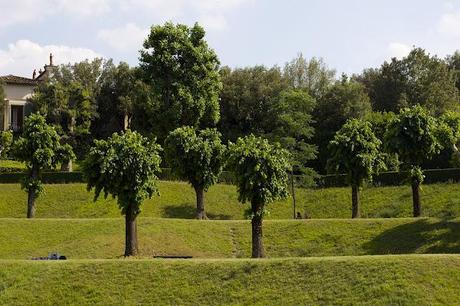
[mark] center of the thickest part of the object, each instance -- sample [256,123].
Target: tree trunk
[200,212]
[32,194]
[417,209]
[67,166]
[257,237]
[294,214]
[355,210]
[131,247]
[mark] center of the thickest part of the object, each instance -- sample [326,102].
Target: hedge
[432,176]
[227,177]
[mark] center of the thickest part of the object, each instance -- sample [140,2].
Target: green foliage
[116,99]
[355,150]
[312,75]
[412,135]
[183,74]
[195,157]
[346,99]
[292,126]
[6,141]
[249,100]
[260,169]
[123,166]
[418,78]
[39,148]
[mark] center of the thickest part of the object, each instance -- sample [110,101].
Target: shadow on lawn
[188,211]
[421,236]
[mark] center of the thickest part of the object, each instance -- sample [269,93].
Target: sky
[349,35]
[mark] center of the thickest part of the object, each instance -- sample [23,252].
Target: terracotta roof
[14,79]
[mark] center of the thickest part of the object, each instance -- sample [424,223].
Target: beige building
[18,90]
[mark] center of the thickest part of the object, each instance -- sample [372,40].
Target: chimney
[51,59]
[34,74]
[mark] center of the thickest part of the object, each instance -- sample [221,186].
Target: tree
[248,100]
[39,148]
[124,166]
[312,75]
[261,178]
[6,141]
[183,74]
[355,150]
[115,100]
[418,78]
[346,99]
[197,158]
[454,65]
[412,135]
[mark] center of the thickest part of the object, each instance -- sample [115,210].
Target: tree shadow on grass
[188,211]
[422,236]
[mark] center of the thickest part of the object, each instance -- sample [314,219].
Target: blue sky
[349,35]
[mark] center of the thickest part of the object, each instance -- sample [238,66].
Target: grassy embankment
[177,200]
[104,238]
[371,280]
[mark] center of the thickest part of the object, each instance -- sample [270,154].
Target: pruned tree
[197,157]
[39,148]
[124,166]
[261,178]
[355,151]
[412,134]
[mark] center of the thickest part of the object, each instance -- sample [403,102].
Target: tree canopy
[183,74]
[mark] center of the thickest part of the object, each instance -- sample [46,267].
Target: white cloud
[28,11]
[126,38]
[398,50]
[211,13]
[22,57]
[449,25]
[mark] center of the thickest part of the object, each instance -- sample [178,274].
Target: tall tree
[454,65]
[39,148]
[183,74]
[248,100]
[312,75]
[412,135]
[346,99]
[197,158]
[124,166]
[418,78]
[115,100]
[261,173]
[292,127]
[355,150]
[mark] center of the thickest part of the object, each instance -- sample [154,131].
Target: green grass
[378,280]
[177,200]
[104,238]
[11,164]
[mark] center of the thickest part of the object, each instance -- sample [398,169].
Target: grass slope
[177,200]
[380,280]
[104,238]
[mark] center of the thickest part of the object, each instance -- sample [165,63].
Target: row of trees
[126,165]
[362,149]
[179,82]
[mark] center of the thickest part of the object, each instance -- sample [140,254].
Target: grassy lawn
[177,200]
[371,280]
[104,238]
[11,164]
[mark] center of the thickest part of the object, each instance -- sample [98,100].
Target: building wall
[15,95]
